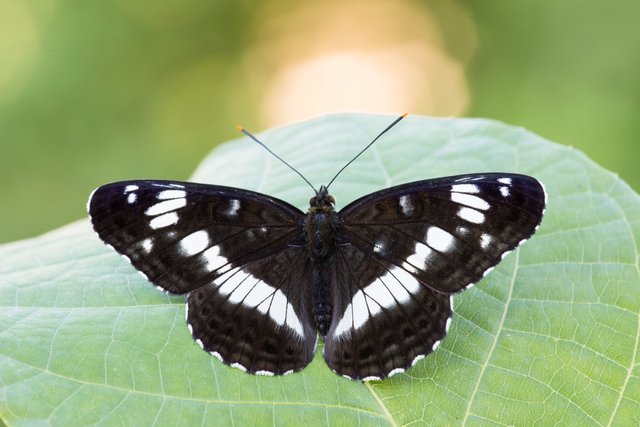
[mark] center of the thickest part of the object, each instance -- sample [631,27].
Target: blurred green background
[96,91]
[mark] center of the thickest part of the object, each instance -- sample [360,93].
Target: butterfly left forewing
[182,235]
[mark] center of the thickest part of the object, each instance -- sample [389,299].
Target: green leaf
[550,337]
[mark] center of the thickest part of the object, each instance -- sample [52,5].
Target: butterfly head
[322,199]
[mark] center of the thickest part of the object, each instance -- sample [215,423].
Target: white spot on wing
[505,254]
[462,231]
[171,194]
[129,188]
[266,373]
[369,378]
[238,366]
[359,310]
[258,294]
[420,257]
[346,322]
[230,281]
[487,271]
[406,205]
[243,288]
[471,215]
[293,322]
[194,243]
[147,244]
[387,291]
[166,206]
[234,207]
[465,188]
[379,246]
[88,206]
[471,201]
[504,191]
[439,239]
[485,240]
[544,190]
[278,309]
[131,198]
[396,286]
[417,359]
[395,372]
[504,181]
[165,220]
[212,258]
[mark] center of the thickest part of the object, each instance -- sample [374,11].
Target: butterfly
[263,279]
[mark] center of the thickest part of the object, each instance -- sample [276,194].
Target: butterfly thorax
[321,227]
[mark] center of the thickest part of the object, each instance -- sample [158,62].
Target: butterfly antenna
[250,135]
[395,122]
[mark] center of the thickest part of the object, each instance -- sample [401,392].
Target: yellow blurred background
[97,91]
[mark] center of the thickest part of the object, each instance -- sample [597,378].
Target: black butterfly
[374,279]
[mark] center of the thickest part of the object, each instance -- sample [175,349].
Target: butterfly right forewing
[449,232]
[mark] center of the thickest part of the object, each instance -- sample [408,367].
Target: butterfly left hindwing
[256,317]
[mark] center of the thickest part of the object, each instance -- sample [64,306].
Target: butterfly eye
[331,199]
[312,201]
